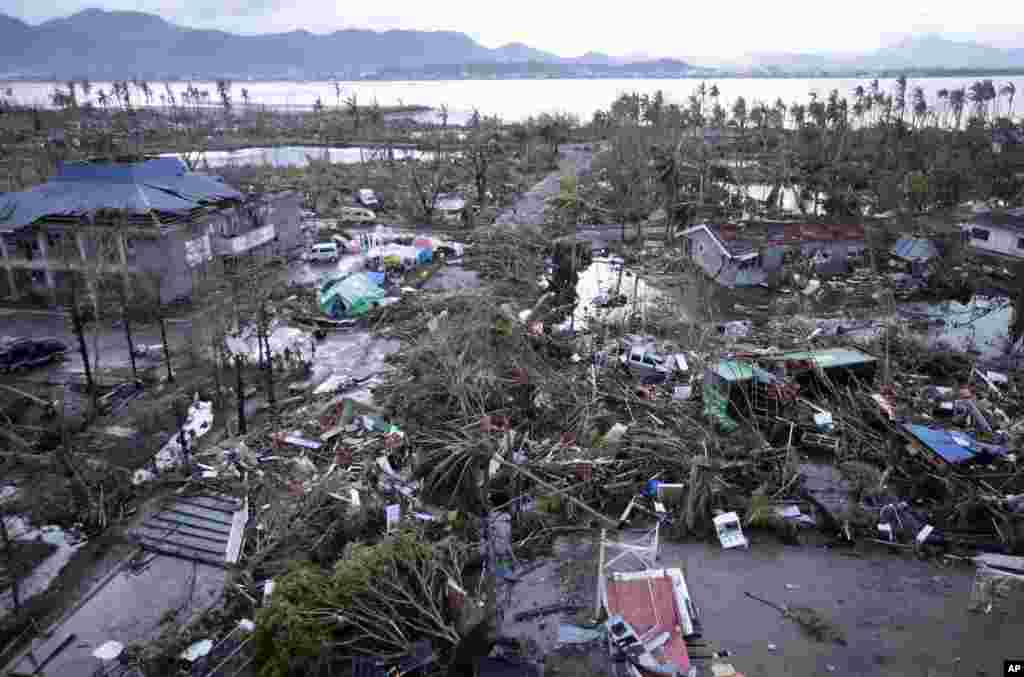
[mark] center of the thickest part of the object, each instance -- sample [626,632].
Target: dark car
[25,353]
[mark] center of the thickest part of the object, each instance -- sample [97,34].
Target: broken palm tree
[811,621]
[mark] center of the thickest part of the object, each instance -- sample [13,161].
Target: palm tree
[779,111]
[957,99]
[1009,90]
[920,106]
[739,112]
[799,113]
[900,98]
[943,96]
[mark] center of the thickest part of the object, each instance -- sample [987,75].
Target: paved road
[113,346]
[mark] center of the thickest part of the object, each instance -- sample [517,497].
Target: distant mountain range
[100,45]
[916,53]
[122,45]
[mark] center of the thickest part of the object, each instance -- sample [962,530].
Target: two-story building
[150,222]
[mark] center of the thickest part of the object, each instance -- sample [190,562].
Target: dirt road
[529,207]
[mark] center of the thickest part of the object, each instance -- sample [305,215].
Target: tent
[350,295]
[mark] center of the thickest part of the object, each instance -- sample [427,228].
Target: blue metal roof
[915,249]
[160,185]
[952,446]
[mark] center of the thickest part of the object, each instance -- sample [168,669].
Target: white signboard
[251,240]
[198,251]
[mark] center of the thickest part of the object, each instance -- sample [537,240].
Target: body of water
[514,100]
[296,156]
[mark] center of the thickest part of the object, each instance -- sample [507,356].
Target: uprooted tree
[378,600]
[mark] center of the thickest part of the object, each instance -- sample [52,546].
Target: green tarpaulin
[716,408]
[350,295]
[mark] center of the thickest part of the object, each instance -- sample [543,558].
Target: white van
[325,251]
[367,198]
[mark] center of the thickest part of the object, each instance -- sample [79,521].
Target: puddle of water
[601,280]
[297,156]
[351,355]
[129,608]
[308,273]
[981,325]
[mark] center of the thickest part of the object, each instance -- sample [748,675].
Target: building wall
[705,252]
[1005,241]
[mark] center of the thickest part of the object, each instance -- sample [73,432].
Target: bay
[515,100]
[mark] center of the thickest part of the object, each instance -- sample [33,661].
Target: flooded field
[127,607]
[982,325]
[612,293]
[898,615]
[297,156]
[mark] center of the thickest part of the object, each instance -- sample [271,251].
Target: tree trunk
[128,329]
[63,453]
[76,324]
[269,357]
[240,394]
[167,348]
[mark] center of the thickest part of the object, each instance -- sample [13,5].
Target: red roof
[646,603]
[790,232]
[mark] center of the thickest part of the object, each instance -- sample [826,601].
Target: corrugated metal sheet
[829,358]
[733,371]
[915,249]
[152,186]
[953,447]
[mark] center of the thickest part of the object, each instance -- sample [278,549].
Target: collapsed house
[744,255]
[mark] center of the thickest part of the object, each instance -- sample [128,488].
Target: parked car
[367,198]
[644,362]
[356,215]
[25,353]
[325,252]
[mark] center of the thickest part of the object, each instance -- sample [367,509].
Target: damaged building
[149,220]
[745,255]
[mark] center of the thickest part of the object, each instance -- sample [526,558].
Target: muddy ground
[899,615]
